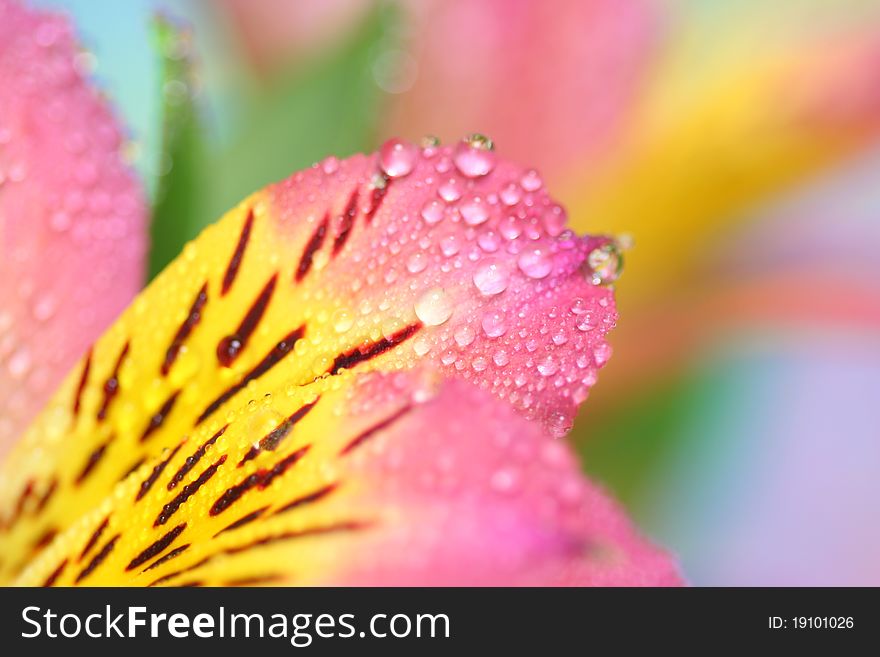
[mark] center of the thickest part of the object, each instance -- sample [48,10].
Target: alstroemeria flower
[72,217]
[222,399]
[351,378]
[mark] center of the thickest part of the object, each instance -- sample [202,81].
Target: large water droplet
[494,323]
[474,211]
[434,307]
[492,276]
[474,157]
[432,212]
[397,158]
[535,263]
[605,263]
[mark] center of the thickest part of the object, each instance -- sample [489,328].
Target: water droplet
[505,480]
[548,367]
[434,307]
[330,165]
[531,181]
[579,306]
[605,263]
[397,158]
[450,190]
[474,157]
[342,321]
[601,353]
[416,262]
[44,308]
[19,363]
[535,263]
[494,323]
[474,211]
[492,276]
[464,335]
[500,358]
[421,346]
[432,212]
[510,195]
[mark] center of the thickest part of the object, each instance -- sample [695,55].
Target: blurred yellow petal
[736,113]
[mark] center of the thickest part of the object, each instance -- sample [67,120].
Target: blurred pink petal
[480,497]
[72,217]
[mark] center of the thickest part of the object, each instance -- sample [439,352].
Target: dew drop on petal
[473,156]
[416,262]
[474,211]
[397,158]
[464,335]
[494,323]
[531,181]
[432,212]
[535,263]
[605,263]
[434,307]
[547,367]
[491,276]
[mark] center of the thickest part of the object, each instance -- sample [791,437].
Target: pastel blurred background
[736,141]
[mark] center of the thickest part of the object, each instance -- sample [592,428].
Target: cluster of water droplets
[509,297]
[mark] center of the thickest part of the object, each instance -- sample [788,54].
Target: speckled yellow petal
[436,256]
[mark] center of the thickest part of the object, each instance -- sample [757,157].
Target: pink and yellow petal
[382,480]
[375,262]
[72,217]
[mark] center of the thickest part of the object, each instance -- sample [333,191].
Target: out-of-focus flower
[72,217]
[284,403]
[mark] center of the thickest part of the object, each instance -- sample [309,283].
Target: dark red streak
[193,318]
[147,483]
[97,559]
[307,499]
[372,431]
[157,419]
[94,538]
[349,526]
[192,460]
[271,359]
[83,380]
[271,440]
[238,254]
[93,460]
[50,491]
[231,346]
[188,491]
[156,548]
[259,479]
[111,385]
[51,579]
[346,222]
[351,358]
[241,522]
[176,552]
[376,199]
[312,247]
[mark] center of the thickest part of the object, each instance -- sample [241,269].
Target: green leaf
[328,106]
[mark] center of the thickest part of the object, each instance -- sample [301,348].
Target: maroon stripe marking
[238,254]
[176,552]
[92,461]
[147,483]
[177,573]
[307,499]
[193,459]
[376,428]
[271,440]
[20,504]
[50,491]
[244,520]
[83,380]
[193,318]
[51,579]
[271,359]
[305,263]
[94,538]
[376,198]
[45,538]
[157,419]
[188,491]
[346,222]
[351,358]
[230,347]
[352,525]
[260,479]
[133,468]
[97,559]
[156,548]
[111,385]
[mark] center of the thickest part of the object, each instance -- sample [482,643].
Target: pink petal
[72,217]
[465,492]
[473,273]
